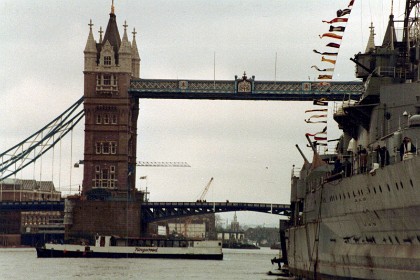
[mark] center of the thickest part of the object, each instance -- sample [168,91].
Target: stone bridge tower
[110,114]
[109,203]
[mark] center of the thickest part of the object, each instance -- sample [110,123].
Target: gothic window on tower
[98,119]
[105,176]
[106,119]
[113,147]
[112,176]
[106,84]
[98,148]
[107,80]
[114,118]
[97,176]
[107,60]
[106,147]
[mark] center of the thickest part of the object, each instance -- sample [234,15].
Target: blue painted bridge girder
[32,205]
[244,89]
[155,211]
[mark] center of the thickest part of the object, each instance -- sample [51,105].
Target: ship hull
[361,227]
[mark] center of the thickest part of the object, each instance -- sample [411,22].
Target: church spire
[112,8]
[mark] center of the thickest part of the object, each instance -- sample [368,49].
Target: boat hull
[206,250]
[48,253]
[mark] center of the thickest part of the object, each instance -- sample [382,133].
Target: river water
[237,264]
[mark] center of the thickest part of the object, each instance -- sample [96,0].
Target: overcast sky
[248,147]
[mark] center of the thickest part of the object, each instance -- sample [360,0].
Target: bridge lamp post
[145,178]
[76,165]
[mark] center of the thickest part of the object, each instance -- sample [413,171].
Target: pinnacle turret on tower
[112,7]
[135,56]
[371,42]
[90,51]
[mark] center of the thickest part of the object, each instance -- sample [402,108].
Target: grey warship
[363,221]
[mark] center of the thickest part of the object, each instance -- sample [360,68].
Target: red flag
[337,28]
[344,12]
[321,102]
[333,45]
[336,20]
[326,53]
[316,110]
[328,60]
[331,35]
[324,77]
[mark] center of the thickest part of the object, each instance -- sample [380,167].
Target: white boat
[113,247]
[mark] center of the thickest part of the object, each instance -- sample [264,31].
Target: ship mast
[409,37]
[410,4]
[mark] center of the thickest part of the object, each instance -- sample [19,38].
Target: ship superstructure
[355,213]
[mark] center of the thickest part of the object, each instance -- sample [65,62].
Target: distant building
[27,227]
[232,236]
[198,226]
[28,190]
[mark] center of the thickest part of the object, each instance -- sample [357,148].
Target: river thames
[236,264]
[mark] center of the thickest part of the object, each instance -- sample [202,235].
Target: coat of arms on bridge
[183,85]
[244,85]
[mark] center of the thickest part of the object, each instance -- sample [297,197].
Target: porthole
[374,190]
[396,184]
[402,186]
[389,189]
[380,188]
[411,183]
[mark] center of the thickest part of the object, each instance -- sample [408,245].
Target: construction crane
[163,164]
[152,163]
[203,194]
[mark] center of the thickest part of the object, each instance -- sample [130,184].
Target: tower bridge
[112,89]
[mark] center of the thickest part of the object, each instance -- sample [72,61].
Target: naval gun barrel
[370,71]
[301,153]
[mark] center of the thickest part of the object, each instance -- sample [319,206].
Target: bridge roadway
[244,89]
[155,211]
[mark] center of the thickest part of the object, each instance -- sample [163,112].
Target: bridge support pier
[91,217]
